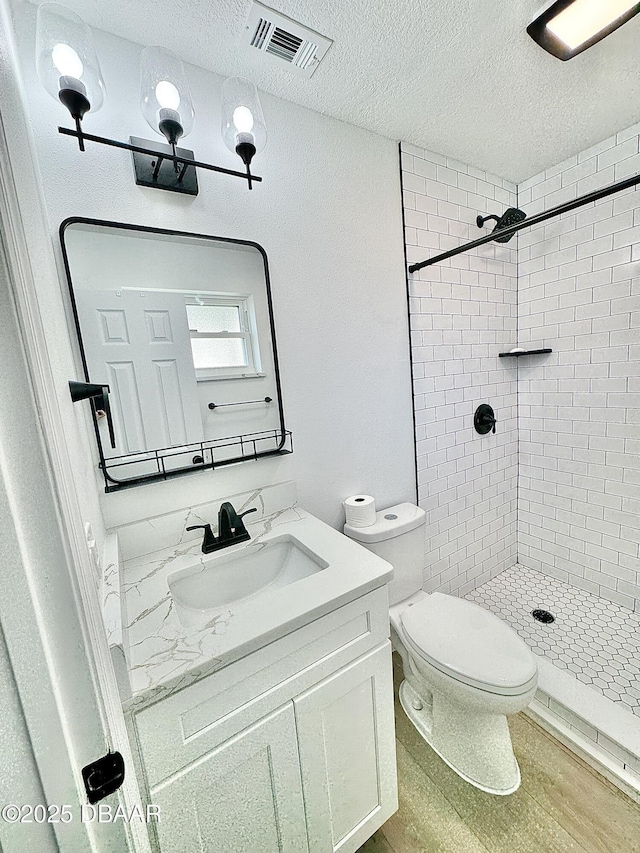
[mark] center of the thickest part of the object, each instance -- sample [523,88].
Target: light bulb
[243,119]
[67,61]
[167,95]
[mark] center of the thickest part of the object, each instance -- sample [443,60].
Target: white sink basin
[225,579]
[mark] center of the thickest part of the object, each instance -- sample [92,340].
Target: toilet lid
[469,643]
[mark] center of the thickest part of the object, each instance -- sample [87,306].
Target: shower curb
[602,734]
[603,762]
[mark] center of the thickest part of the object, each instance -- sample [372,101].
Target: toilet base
[474,745]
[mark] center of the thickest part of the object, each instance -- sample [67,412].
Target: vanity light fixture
[67,62]
[567,27]
[69,70]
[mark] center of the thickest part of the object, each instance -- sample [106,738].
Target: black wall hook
[99,395]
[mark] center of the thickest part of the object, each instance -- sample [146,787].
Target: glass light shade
[164,91]
[65,55]
[242,116]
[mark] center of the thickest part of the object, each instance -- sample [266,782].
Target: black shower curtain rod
[534,220]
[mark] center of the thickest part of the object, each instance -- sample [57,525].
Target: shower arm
[480,220]
[532,220]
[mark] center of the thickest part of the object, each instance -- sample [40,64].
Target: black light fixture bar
[596,195]
[185,162]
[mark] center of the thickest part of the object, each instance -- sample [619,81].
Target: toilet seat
[469,644]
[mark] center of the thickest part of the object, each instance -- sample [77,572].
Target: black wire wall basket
[134,469]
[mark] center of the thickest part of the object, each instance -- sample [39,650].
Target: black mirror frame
[112,484]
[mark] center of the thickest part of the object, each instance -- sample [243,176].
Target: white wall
[579,293]
[462,314]
[328,215]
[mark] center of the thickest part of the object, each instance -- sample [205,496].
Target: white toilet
[464,668]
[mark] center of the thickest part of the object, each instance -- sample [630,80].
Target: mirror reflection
[180,328]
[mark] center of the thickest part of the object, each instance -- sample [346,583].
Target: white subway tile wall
[462,314]
[558,487]
[579,408]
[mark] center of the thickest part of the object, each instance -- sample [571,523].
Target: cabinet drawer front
[182,727]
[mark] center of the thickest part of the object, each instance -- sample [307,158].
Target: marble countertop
[164,656]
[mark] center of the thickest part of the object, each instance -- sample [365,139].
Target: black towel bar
[240,403]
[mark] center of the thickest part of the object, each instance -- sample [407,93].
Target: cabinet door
[243,797]
[346,738]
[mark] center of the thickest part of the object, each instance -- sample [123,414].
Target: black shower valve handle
[489,420]
[484,419]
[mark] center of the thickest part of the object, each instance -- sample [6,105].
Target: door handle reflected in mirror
[99,394]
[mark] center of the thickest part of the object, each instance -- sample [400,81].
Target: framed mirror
[180,327]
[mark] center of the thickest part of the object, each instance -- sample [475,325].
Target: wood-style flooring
[562,806]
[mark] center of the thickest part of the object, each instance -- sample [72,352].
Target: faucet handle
[240,529]
[209,540]
[247,511]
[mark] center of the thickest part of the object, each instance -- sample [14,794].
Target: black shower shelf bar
[524,352]
[567,206]
[240,403]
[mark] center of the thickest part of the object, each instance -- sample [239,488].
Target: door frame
[20,781]
[49,600]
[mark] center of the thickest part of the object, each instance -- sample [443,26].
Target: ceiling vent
[285,40]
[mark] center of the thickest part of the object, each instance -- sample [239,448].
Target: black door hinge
[103,776]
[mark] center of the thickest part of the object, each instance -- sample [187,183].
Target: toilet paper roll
[360,510]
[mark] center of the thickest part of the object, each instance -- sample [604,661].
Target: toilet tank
[398,537]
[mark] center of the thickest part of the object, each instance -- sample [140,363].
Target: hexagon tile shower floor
[596,640]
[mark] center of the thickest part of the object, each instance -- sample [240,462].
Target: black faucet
[231,529]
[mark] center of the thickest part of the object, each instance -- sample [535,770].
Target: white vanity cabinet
[290,749]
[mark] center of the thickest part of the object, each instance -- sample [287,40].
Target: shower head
[510,217]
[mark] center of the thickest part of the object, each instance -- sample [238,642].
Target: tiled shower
[579,409]
[553,497]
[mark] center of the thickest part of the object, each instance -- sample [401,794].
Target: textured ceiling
[460,77]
